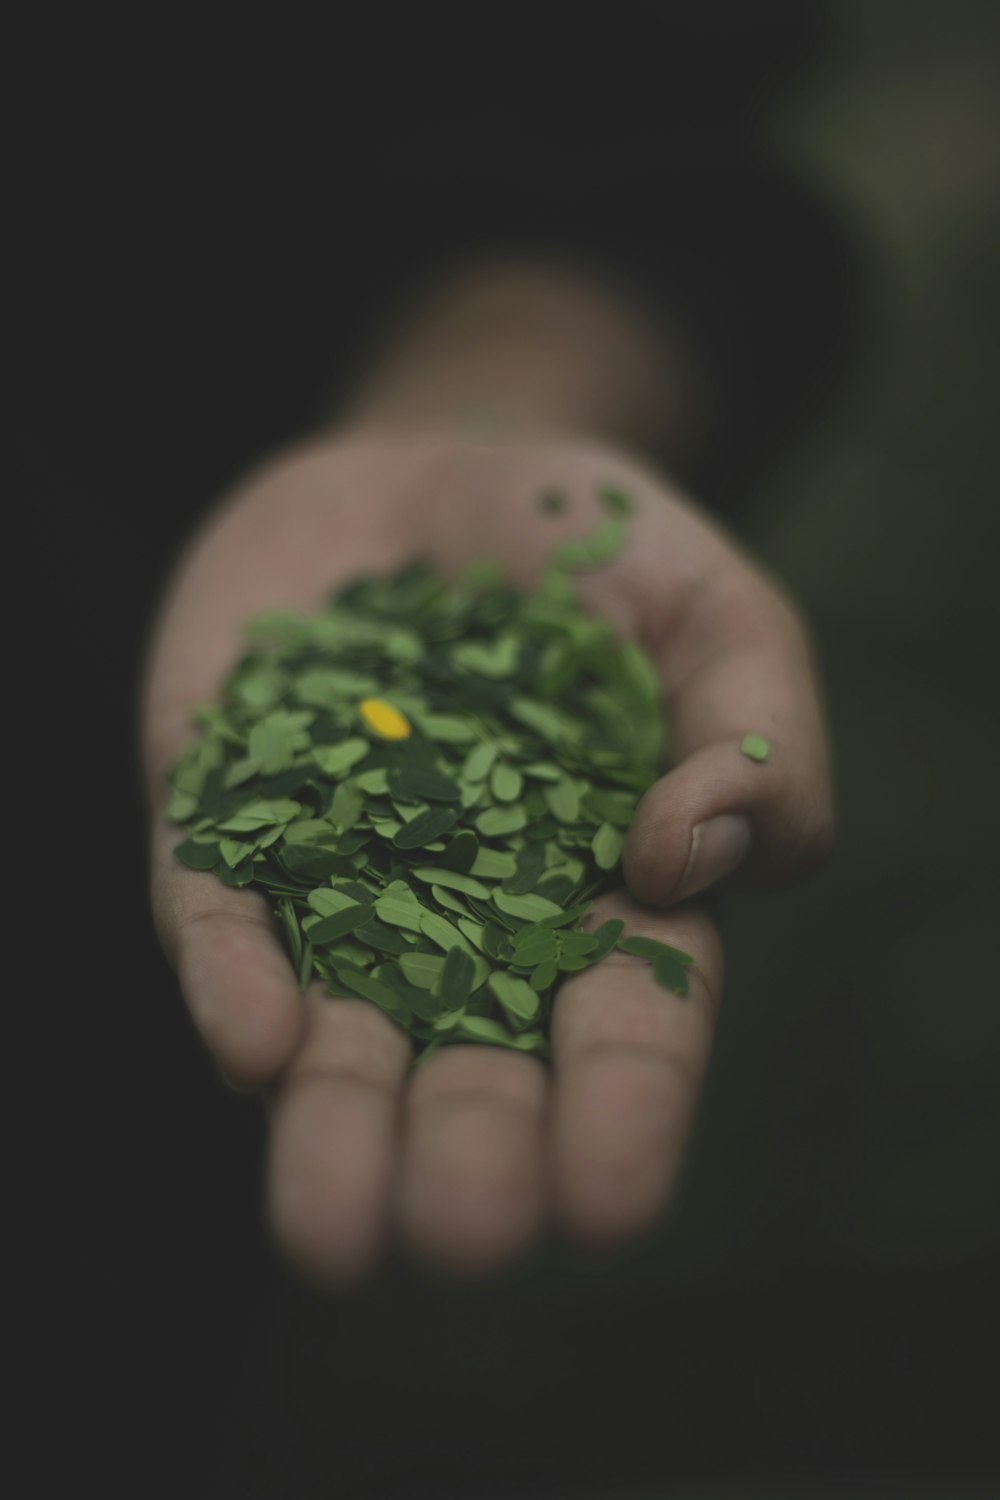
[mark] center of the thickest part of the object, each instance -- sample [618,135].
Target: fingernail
[717,848]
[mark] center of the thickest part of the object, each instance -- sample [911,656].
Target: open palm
[471,1156]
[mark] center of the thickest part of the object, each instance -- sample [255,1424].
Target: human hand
[470,1157]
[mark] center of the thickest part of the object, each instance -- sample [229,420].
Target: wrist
[525,348]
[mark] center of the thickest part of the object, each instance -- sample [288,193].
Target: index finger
[231,964]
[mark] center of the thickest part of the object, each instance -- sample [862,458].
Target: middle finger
[471,1192]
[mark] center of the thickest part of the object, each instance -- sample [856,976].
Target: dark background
[215,228]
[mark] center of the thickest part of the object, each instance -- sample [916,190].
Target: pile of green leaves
[442,876]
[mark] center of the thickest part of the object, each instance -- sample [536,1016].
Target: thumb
[751,789]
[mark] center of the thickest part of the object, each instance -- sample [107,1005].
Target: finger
[333,1139]
[737,663]
[628,1059]
[471,1191]
[232,968]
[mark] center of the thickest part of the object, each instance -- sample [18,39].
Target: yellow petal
[384,720]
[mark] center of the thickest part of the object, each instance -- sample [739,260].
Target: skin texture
[469,1159]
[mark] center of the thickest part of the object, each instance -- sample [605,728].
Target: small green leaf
[543,770]
[422,969]
[181,806]
[479,762]
[350,843]
[328,687]
[494,864]
[461,852]
[526,908]
[336,760]
[496,660]
[519,1000]
[563,800]
[557,888]
[670,974]
[387,828]
[607,845]
[755,747]
[616,808]
[374,783]
[530,1041]
[455,983]
[275,739]
[258,687]
[310,831]
[442,933]
[638,671]
[473,793]
[497,822]
[261,813]
[544,976]
[416,783]
[553,726]
[235,851]
[435,875]
[506,783]
[329,929]
[312,860]
[577,944]
[568,917]
[399,912]
[530,865]
[533,946]
[324,900]
[240,771]
[425,828]
[384,938]
[482,1029]
[448,729]
[346,805]
[450,1021]
[449,901]
[363,985]
[197,856]
[472,931]
[605,938]
[495,942]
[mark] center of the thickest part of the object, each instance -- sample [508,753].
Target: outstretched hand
[471,1156]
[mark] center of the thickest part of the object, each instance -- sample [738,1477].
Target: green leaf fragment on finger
[607,845]
[644,947]
[755,747]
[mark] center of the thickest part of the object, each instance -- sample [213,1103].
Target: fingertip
[471,1197]
[621,1127]
[242,996]
[718,846]
[256,1047]
[719,812]
[327,1181]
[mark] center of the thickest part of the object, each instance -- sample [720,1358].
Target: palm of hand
[472,1156]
